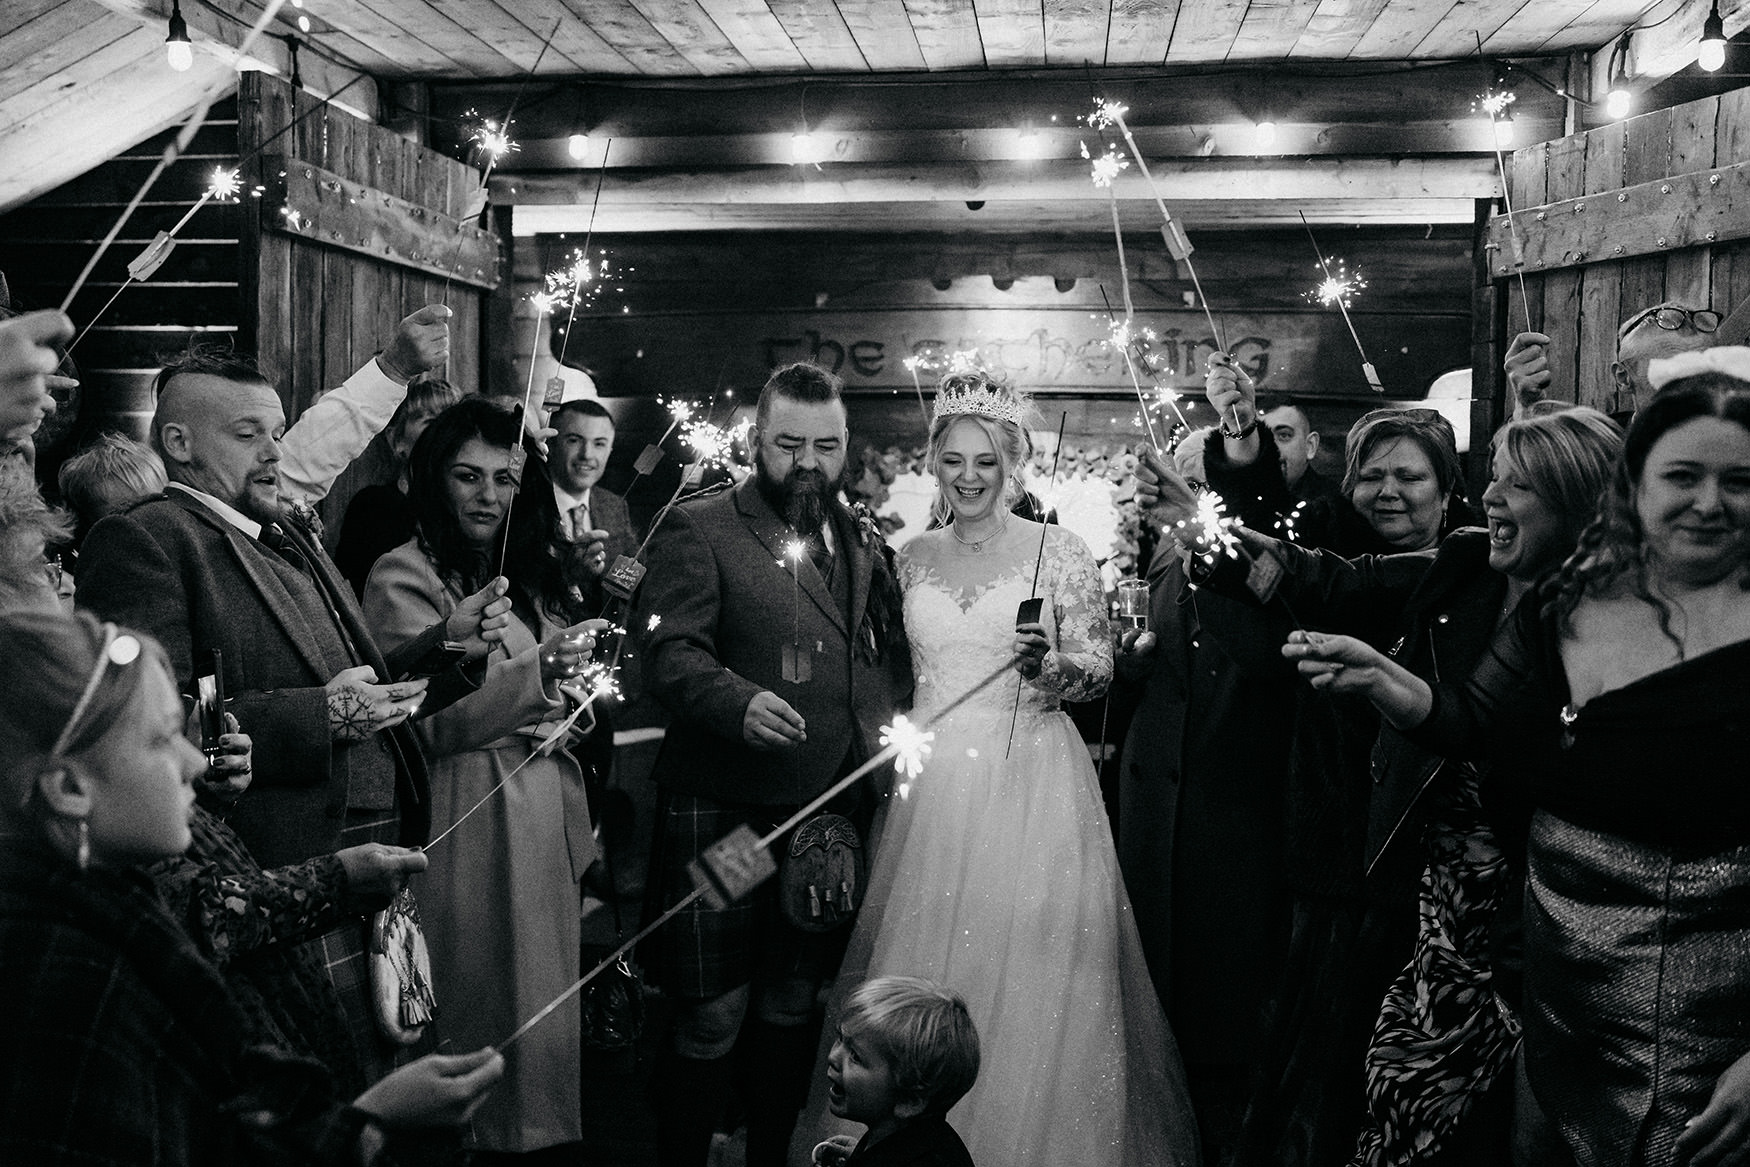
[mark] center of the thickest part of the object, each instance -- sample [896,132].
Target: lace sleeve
[1080,667]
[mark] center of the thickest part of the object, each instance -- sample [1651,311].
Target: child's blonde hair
[922,1031]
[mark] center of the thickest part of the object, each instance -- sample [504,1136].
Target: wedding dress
[995,873]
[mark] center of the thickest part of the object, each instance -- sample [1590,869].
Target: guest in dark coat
[122,1046]
[379,518]
[215,566]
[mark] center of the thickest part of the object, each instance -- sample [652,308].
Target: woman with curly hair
[1619,685]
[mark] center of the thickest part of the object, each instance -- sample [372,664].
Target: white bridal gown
[996,875]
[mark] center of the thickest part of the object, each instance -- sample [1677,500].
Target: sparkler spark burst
[794,550]
[565,287]
[655,619]
[1108,166]
[544,302]
[681,411]
[710,442]
[1339,286]
[224,184]
[1495,102]
[1125,333]
[492,140]
[911,745]
[1106,114]
[1210,530]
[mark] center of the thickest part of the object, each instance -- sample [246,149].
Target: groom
[728,601]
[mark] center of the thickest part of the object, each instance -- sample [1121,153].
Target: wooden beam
[315,204]
[1649,218]
[1664,48]
[1208,178]
[1002,217]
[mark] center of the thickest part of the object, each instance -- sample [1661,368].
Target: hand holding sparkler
[478,622]
[27,360]
[421,343]
[565,654]
[1234,395]
[1527,367]
[1163,495]
[1343,664]
[770,723]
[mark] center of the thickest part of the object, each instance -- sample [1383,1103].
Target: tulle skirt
[998,879]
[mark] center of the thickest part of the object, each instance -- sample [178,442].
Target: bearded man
[755,736]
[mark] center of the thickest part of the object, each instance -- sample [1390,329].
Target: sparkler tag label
[518,456]
[798,663]
[649,460]
[731,867]
[1178,243]
[476,203]
[1030,611]
[152,258]
[1265,574]
[1372,375]
[623,577]
[555,393]
[692,473]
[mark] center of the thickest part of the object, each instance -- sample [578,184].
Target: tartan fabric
[705,952]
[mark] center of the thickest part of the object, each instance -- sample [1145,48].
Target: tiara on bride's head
[962,394]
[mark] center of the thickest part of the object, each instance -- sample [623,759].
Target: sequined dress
[997,877]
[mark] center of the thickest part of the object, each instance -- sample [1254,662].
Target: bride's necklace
[977,545]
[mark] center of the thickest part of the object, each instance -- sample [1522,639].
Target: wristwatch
[1244,433]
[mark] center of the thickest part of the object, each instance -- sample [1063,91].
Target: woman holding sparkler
[995,873]
[1618,686]
[500,903]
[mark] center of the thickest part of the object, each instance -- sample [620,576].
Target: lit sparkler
[491,140]
[1210,529]
[911,746]
[710,443]
[655,620]
[1341,286]
[911,366]
[224,184]
[1106,166]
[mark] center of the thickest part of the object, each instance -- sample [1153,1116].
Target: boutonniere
[303,514]
[869,532]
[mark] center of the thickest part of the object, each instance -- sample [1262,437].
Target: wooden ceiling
[81,80]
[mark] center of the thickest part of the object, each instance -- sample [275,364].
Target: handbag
[820,880]
[400,971]
[613,1003]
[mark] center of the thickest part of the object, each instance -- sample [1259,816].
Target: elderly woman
[122,1045]
[500,900]
[1619,686]
[1400,475]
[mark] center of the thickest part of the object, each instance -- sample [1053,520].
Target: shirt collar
[567,500]
[229,513]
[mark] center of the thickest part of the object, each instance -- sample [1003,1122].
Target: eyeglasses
[118,650]
[1671,318]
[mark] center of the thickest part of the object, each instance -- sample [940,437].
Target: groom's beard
[800,495]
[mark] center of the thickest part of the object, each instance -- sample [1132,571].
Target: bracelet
[1245,432]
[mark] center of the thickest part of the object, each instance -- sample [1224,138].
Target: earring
[83,855]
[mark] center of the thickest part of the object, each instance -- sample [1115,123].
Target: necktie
[579,521]
[821,554]
[274,537]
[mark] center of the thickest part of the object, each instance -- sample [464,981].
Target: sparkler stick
[1493,103]
[1367,369]
[911,364]
[1121,338]
[589,231]
[173,151]
[1029,612]
[603,686]
[898,744]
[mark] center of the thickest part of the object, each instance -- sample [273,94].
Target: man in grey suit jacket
[749,746]
[214,564]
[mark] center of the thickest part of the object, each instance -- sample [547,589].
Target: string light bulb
[578,145]
[178,49]
[1712,53]
[805,147]
[1264,137]
[1618,101]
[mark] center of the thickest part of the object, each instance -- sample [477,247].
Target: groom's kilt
[705,952]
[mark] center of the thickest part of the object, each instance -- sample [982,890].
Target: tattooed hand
[359,707]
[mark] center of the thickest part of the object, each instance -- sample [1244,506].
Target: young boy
[907,1051]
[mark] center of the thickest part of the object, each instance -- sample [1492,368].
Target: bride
[996,875]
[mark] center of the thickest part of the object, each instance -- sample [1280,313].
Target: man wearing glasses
[1660,331]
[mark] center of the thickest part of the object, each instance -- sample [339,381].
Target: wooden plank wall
[1579,308]
[318,312]
[193,297]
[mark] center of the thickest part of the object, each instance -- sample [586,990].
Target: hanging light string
[173,151]
[902,741]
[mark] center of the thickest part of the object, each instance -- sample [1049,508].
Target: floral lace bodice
[960,618]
